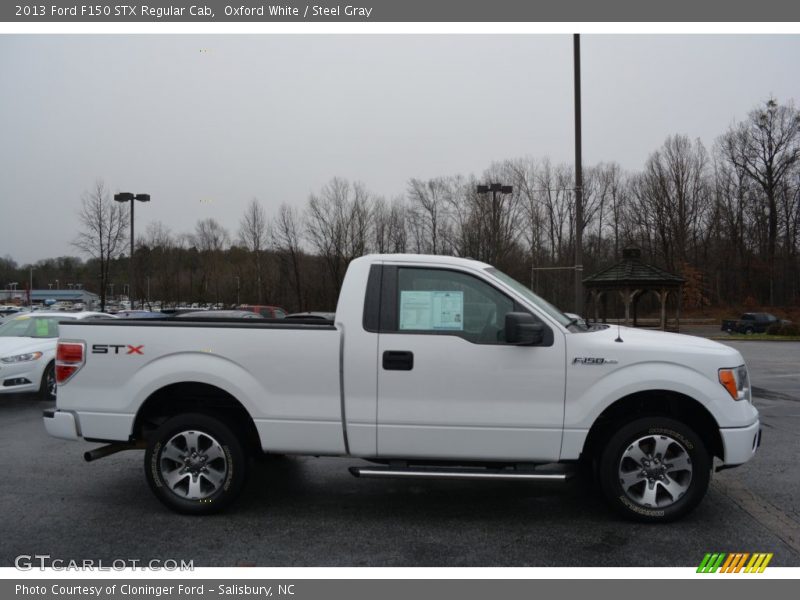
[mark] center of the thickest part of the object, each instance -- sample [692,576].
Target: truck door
[449,386]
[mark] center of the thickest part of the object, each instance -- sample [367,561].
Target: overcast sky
[206,123]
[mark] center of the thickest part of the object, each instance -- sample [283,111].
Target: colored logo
[736,562]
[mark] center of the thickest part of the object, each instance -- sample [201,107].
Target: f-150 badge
[591,360]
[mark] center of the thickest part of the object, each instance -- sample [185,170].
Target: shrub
[784,329]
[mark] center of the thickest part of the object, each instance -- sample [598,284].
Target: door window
[439,301]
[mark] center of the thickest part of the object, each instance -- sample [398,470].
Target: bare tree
[104,228]
[211,239]
[674,197]
[398,231]
[766,146]
[253,235]
[428,203]
[338,222]
[286,240]
[156,259]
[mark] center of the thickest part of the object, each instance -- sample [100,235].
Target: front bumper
[740,443]
[60,424]
[28,373]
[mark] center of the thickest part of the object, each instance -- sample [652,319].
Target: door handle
[398,360]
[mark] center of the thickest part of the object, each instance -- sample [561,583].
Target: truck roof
[427,259]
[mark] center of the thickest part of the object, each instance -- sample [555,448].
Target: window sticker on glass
[441,311]
[42,328]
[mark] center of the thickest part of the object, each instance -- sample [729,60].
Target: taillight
[70,357]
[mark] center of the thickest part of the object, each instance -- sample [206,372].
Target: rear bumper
[740,443]
[60,424]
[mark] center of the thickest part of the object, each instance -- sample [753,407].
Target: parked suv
[754,322]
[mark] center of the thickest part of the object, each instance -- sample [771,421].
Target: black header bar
[383,11]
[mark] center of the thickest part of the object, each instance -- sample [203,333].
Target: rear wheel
[195,464]
[654,469]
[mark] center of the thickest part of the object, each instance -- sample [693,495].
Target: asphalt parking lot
[311,512]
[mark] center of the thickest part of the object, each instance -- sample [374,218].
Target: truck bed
[286,374]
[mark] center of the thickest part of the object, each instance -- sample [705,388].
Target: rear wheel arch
[195,397]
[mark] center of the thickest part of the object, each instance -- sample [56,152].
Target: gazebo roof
[631,271]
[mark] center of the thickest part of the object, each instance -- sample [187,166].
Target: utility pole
[576,39]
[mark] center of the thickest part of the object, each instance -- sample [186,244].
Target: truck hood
[659,339]
[647,345]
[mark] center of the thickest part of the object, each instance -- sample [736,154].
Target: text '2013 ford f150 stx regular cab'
[433,367]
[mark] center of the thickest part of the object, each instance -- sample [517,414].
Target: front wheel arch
[662,403]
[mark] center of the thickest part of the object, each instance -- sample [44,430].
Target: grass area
[756,337]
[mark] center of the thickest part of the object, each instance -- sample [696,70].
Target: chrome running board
[459,473]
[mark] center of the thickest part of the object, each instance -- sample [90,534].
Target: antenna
[619,334]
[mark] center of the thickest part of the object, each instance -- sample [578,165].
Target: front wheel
[654,469]
[47,388]
[195,464]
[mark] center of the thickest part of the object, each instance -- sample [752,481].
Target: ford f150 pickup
[432,367]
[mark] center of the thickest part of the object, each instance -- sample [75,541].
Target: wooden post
[626,300]
[595,298]
[662,295]
[635,295]
[605,307]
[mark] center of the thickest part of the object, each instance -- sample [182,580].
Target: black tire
[661,479]
[47,389]
[216,444]
[749,331]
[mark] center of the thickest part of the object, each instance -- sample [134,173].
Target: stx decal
[115,349]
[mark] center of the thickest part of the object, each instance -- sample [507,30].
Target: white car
[28,350]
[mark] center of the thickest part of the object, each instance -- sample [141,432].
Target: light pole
[58,288]
[237,291]
[495,188]
[128,197]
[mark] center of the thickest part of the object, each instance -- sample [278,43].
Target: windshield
[33,327]
[531,297]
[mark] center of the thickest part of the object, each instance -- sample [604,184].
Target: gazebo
[632,278]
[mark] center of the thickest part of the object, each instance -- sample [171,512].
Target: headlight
[21,357]
[736,382]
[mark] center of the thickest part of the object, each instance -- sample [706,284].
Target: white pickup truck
[433,367]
